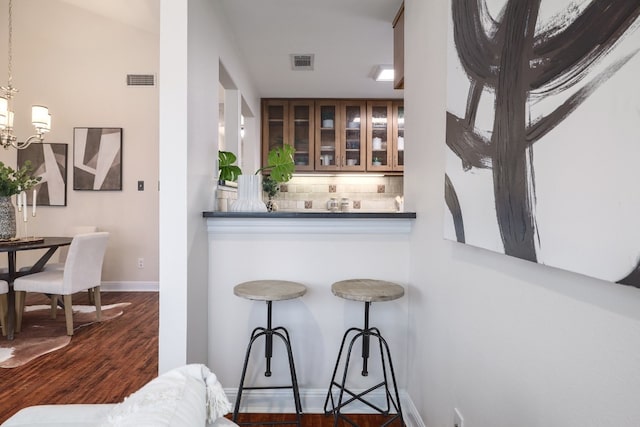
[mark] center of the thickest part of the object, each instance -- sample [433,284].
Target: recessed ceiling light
[383,73]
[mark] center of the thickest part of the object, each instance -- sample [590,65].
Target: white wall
[509,343]
[193,42]
[76,63]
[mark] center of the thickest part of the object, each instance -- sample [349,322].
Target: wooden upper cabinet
[336,135]
[398,49]
[340,135]
[289,122]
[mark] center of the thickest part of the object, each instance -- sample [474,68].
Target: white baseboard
[129,287]
[281,401]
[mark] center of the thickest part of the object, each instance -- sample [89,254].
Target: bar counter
[315,249]
[315,214]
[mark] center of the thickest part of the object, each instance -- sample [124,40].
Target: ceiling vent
[141,80]
[302,62]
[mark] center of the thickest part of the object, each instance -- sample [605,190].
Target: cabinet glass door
[353,156]
[302,134]
[398,163]
[379,136]
[275,130]
[327,148]
[276,115]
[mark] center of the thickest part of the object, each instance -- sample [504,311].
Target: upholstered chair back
[83,267]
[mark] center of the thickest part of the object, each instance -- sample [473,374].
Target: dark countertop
[303,215]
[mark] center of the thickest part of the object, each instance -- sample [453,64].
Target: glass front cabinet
[336,135]
[290,123]
[385,136]
[340,136]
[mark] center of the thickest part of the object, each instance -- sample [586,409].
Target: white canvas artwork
[543,132]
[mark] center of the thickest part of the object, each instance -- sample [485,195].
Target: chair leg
[96,299]
[54,306]
[20,297]
[92,299]
[3,313]
[68,314]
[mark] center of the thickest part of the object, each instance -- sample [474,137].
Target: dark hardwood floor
[106,362]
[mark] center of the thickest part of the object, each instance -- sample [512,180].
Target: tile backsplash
[312,193]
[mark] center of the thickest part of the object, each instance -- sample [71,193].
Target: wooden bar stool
[269,291]
[367,291]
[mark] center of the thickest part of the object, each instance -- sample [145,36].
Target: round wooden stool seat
[270,290]
[367,290]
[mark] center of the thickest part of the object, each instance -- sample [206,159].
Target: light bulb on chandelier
[40,117]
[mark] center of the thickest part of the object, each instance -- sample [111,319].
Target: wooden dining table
[12,247]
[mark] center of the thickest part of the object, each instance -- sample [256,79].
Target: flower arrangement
[14,181]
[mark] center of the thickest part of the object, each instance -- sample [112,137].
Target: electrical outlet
[140,262]
[140,185]
[458,420]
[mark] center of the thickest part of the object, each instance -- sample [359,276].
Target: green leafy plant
[14,181]
[280,163]
[270,186]
[227,170]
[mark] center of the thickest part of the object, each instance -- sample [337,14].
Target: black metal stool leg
[335,372]
[268,346]
[241,387]
[365,341]
[392,399]
[269,332]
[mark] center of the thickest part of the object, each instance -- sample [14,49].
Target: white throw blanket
[218,404]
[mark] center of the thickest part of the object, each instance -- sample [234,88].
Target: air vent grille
[141,80]
[301,62]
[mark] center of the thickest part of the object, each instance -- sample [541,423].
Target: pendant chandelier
[40,116]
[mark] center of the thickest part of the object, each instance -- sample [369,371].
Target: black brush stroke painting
[512,54]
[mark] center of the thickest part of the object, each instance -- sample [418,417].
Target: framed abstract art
[49,161]
[97,159]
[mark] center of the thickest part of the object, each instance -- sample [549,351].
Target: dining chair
[64,250]
[82,271]
[4,289]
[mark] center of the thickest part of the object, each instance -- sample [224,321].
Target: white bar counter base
[315,249]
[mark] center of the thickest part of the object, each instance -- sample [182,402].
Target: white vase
[249,195]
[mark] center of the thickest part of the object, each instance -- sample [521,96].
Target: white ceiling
[348,37]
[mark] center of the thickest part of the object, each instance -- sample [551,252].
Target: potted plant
[271,187]
[12,182]
[227,171]
[280,165]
